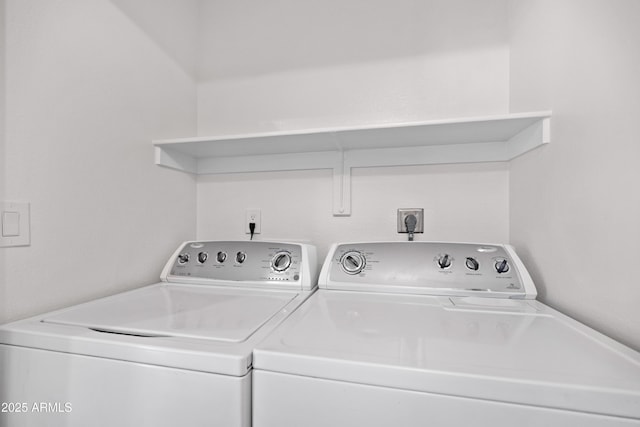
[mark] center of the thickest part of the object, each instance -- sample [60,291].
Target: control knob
[241,257]
[353,262]
[472,264]
[444,261]
[183,258]
[202,257]
[221,257]
[502,266]
[281,261]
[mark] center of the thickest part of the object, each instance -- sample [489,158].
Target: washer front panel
[98,391]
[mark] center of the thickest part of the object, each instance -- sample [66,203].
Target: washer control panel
[437,268]
[240,262]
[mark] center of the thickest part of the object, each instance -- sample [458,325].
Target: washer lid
[184,311]
[504,350]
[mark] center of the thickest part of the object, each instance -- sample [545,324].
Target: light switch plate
[14,224]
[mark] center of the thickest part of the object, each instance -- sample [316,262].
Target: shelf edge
[342,129]
[175,160]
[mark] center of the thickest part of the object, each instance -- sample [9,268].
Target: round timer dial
[281,261]
[353,262]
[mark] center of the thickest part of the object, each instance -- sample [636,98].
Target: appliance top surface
[500,349]
[186,311]
[429,268]
[513,338]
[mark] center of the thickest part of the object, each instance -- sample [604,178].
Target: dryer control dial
[444,261]
[472,264]
[502,266]
[353,262]
[281,261]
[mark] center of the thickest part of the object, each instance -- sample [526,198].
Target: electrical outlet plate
[253,215]
[403,213]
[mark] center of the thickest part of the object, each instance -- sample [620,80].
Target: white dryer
[176,353]
[438,334]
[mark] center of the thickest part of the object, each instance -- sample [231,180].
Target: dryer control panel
[243,263]
[433,268]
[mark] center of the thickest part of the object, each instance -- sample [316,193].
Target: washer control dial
[241,257]
[202,257]
[472,264]
[183,259]
[501,265]
[353,262]
[444,261]
[221,257]
[281,261]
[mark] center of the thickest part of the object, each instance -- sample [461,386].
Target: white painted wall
[87,88]
[575,204]
[298,205]
[290,65]
[3,299]
[287,64]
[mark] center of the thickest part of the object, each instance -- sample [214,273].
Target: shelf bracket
[341,187]
[535,135]
[175,160]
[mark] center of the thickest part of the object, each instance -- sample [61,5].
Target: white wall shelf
[468,140]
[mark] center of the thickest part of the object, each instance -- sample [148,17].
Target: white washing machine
[438,334]
[176,353]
